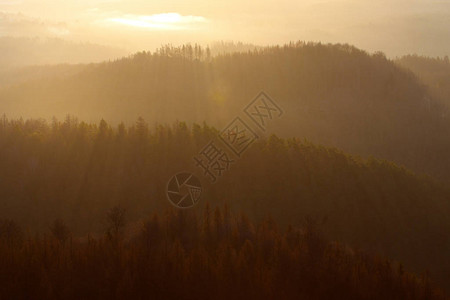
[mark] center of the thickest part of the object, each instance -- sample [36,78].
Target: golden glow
[395,27]
[159,21]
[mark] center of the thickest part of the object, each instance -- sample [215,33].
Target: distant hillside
[25,51]
[335,95]
[18,75]
[76,171]
[434,72]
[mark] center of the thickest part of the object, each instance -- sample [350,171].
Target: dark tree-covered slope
[336,95]
[75,171]
[212,255]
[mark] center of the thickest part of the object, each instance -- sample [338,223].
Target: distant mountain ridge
[25,51]
[336,95]
[434,72]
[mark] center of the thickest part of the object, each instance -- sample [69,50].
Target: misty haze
[224,150]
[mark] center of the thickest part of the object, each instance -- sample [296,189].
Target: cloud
[395,27]
[163,21]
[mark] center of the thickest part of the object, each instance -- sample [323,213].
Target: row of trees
[75,171]
[335,95]
[186,255]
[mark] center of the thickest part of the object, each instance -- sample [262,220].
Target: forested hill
[335,95]
[212,254]
[434,72]
[76,171]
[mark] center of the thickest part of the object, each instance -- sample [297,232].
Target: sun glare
[159,21]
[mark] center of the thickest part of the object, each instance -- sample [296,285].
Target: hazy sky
[395,26]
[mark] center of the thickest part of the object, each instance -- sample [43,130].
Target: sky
[395,27]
